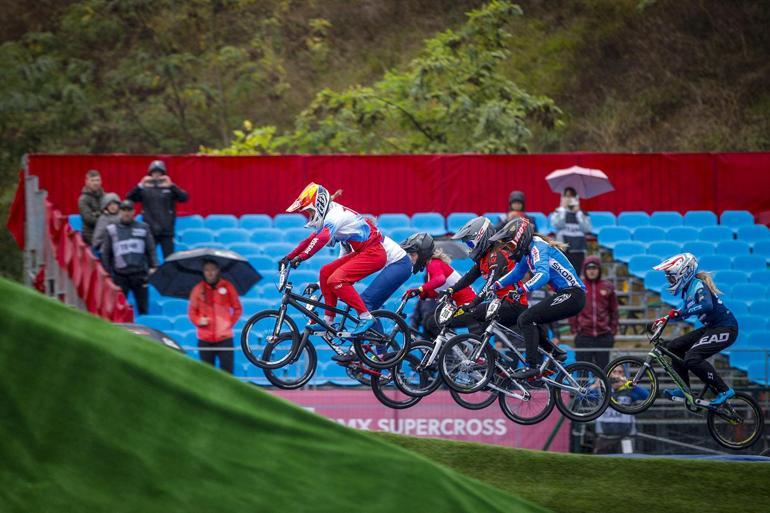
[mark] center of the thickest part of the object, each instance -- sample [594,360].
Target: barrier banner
[435,416]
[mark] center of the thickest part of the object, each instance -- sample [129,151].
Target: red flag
[16,217]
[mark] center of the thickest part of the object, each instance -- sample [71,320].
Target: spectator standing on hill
[128,254]
[214,309]
[516,206]
[158,196]
[89,204]
[572,225]
[597,324]
[110,206]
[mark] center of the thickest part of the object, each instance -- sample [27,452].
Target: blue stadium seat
[682,234]
[699,248]
[318,261]
[714,263]
[188,222]
[183,323]
[196,236]
[748,292]
[220,221]
[666,219]
[625,250]
[611,235]
[640,265]
[277,250]
[760,307]
[174,307]
[758,370]
[456,220]
[633,219]
[155,321]
[245,249]
[753,233]
[759,338]
[649,234]
[749,263]
[742,354]
[296,235]
[393,221]
[600,220]
[654,280]
[716,233]
[700,218]
[462,265]
[496,217]
[302,277]
[207,245]
[761,248]
[762,277]
[736,218]
[263,263]
[401,234]
[75,221]
[266,236]
[431,222]
[738,308]
[254,221]
[286,221]
[541,221]
[749,323]
[732,248]
[663,249]
[229,236]
[726,278]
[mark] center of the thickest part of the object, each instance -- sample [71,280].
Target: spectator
[572,225]
[158,195]
[89,203]
[214,309]
[128,254]
[516,206]
[614,429]
[110,205]
[597,324]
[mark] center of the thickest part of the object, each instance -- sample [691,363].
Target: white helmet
[680,270]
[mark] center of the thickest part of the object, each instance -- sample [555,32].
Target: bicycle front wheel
[413,376]
[738,423]
[583,394]
[625,396]
[461,371]
[476,400]
[385,344]
[258,332]
[387,392]
[297,371]
[527,411]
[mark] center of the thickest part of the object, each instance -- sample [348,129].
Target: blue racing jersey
[698,300]
[548,265]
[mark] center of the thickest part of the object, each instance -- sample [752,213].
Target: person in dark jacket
[110,214]
[128,254]
[597,324]
[516,208]
[89,204]
[572,225]
[158,196]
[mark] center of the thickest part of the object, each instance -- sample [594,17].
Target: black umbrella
[184,270]
[455,250]
[153,334]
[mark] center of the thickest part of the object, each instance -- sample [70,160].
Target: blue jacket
[548,265]
[698,300]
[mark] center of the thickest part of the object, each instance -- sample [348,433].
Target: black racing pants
[697,345]
[166,243]
[565,303]
[474,318]
[603,341]
[222,350]
[136,283]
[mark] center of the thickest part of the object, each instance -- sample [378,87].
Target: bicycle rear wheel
[459,371]
[626,397]
[476,400]
[258,333]
[297,371]
[528,411]
[386,343]
[414,378]
[738,423]
[590,400]
[387,392]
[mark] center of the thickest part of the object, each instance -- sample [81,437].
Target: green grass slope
[572,483]
[95,419]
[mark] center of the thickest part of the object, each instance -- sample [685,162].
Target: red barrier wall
[424,183]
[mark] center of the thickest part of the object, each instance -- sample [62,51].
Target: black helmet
[422,244]
[517,196]
[157,165]
[475,234]
[517,235]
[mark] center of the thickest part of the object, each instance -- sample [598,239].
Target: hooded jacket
[219,304]
[600,315]
[89,204]
[158,206]
[104,220]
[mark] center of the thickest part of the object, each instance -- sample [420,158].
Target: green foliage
[453,97]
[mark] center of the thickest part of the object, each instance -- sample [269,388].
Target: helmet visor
[671,279]
[470,243]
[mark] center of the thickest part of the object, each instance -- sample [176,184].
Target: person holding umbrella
[214,309]
[572,225]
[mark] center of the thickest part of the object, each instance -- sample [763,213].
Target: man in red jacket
[597,325]
[214,308]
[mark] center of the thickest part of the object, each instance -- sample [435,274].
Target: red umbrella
[586,182]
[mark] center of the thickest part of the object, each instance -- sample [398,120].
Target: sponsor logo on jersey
[560,299]
[712,339]
[535,255]
[570,278]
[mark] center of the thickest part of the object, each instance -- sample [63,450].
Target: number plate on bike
[493,307]
[282,277]
[446,313]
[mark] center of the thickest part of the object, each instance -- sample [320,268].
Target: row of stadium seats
[748,234]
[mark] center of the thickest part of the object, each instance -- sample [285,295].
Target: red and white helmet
[316,198]
[680,270]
